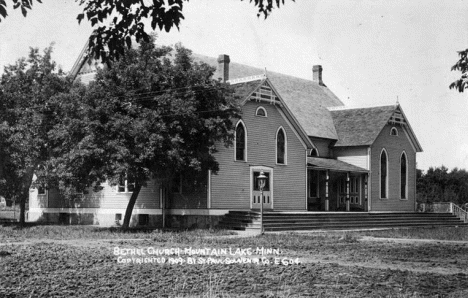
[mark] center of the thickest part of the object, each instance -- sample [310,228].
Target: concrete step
[283,221]
[363,226]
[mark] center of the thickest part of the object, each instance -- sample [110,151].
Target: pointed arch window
[314,152]
[383,175]
[280,146]
[403,176]
[241,138]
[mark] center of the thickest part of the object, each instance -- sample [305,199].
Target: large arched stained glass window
[383,174]
[281,147]
[403,176]
[240,142]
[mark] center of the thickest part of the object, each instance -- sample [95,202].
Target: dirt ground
[299,266]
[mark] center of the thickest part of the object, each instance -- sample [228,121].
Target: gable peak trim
[247,79]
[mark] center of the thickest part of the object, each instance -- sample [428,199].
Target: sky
[373,52]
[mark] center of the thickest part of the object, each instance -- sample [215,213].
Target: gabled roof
[306,99]
[333,164]
[261,89]
[362,126]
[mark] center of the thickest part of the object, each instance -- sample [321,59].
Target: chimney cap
[317,74]
[224,58]
[222,71]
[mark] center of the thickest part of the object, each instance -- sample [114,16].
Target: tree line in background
[441,185]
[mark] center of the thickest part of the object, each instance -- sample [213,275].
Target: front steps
[290,221]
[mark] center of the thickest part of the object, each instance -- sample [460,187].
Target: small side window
[261,112]
[394,131]
[41,190]
[314,152]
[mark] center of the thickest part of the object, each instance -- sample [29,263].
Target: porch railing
[459,212]
[444,207]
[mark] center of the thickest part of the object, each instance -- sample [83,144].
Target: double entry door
[256,196]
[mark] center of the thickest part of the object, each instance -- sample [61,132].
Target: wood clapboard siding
[109,198]
[394,145]
[353,155]
[197,200]
[322,146]
[231,185]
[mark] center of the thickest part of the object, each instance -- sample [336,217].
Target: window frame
[240,122]
[316,152]
[43,193]
[394,129]
[263,109]
[386,174]
[285,149]
[125,186]
[406,176]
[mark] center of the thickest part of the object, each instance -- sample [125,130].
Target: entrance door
[267,190]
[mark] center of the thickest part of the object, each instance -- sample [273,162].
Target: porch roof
[333,165]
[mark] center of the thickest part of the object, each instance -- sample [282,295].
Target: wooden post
[366,190]
[347,192]
[162,198]
[327,201]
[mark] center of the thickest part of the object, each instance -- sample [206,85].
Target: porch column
[347,192]
[327,201]
[208,199]
[366,190]
[162,204]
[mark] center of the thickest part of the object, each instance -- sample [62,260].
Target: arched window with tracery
[241,142]
[280,147]
[383,175]
[403,176]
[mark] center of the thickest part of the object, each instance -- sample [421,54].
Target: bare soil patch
[330,266]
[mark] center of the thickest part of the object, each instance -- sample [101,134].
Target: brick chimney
[317,74]
[222,71]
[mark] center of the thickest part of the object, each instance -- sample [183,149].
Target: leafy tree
[26,118]
[462,66]
[125,20]
[150,116]
[441,185]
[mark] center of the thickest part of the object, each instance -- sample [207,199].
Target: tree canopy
[27,92]
[116,22]
[462,65]
[150,116]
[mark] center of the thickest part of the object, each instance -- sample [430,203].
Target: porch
[334,185]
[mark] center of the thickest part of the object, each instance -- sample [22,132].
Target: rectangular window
[126,185]
[41,190]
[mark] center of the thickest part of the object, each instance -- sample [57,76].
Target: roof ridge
[247,79]
[341,108]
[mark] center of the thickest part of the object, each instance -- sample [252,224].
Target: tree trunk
[22,210]
[131,204]
[25,195]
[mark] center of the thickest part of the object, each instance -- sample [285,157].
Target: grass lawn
[74,261]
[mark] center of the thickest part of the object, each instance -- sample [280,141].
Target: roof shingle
[333,164]
[361,126]
[307,100]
